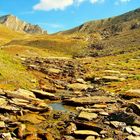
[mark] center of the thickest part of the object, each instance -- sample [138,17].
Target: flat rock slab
[112,71]
[89,126]
[131,137]
[117,124]
[90,100]
[87,116]
[135,93]
[137,129]
[79,87]
[44,95]
[21,94]
[85,133]
[102,106]
[112,79]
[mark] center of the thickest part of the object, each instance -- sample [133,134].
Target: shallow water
[58,107]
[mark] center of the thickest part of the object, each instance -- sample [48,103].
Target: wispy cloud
[118,2]
[48,5]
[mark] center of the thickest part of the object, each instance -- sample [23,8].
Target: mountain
[18,25]
[109,26]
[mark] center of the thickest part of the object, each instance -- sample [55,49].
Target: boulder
[88,116]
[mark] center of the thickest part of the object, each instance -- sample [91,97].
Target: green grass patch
[13,74]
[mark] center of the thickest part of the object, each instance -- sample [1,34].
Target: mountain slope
[7,35]
[18,25]
[109,26]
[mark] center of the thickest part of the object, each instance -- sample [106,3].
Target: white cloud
[48,5]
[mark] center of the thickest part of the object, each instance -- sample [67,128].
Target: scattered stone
[80,80]
[135,133]
[104,113]
[90,138]
[135,107]
[137,129]
[112,71]
[71,128]
[21,129]
[52,70]
[109,139]
[89,109]
[121,116]
[2,124]
[87,116]
[112,79]
[6,136]
[103,106]
[103,132]
[128,129]
[117,124]
[85,133]
[89,126]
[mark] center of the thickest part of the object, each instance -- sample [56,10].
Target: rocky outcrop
[18,25]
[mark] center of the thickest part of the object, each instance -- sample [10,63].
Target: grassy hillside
[50,45]
[13,74]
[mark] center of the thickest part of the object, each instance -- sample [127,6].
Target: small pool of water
[58,107]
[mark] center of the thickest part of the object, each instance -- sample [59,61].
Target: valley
[72,85]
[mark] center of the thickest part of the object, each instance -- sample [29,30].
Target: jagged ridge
[18,25]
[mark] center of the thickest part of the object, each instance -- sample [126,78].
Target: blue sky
[57,15]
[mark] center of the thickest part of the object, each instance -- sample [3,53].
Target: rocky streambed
[68,106]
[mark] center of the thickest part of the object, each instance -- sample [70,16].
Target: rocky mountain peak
[18,25]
